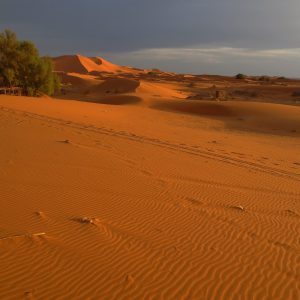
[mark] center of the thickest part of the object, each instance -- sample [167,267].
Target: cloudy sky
[192,36]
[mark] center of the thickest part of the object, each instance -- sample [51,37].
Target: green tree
[8,53]
[9,76]
[21,65]
[48,81]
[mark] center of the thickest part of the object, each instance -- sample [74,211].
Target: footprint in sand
[40,214]
[129,280]
[237,207]
[64,142]
[194,201]
[86,220]
[29,295]
[291,213]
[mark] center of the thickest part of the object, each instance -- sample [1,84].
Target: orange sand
[84,65]
[162,198]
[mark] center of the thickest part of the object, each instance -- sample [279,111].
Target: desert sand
[137,184]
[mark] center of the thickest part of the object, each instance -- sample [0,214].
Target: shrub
[240,76]
[21,65]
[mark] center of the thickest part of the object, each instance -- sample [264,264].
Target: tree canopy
[22,66]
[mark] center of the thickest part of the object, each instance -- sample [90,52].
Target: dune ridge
[84,65]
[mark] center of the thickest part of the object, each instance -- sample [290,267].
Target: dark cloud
[122,26]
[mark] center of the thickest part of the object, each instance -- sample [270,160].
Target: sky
[255,37]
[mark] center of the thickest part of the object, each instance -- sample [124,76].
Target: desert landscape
[145,184]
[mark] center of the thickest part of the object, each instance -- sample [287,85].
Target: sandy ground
[156,199]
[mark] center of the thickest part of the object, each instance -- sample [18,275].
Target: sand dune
[144,189]
[257,117]
[159,89]
[128,202]
[114,99]
[77,82]
[69,64]
[84,65]
[114,91]
[116,86]
[91,88]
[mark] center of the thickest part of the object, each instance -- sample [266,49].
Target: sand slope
[83,65]
[132,202]
[116,89]
[249,116]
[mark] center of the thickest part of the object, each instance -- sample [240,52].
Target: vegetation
[240,76]
[21,66]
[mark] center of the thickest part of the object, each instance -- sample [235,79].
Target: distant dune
[250,116]
[97,80]
[84,65]
[87,78]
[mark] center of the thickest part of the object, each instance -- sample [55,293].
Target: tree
[8,53]
[21,65]
[48,82]
[9,76]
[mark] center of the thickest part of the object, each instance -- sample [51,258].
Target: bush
[21,65]
[240,76]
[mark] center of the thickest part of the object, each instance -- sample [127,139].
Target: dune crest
[84,65]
